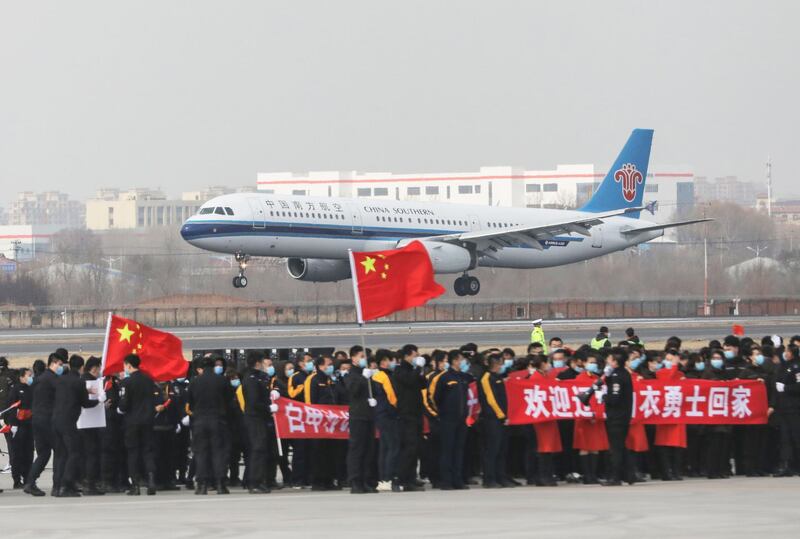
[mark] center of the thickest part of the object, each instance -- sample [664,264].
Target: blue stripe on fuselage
[194,230]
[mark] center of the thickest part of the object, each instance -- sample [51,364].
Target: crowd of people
[409,422]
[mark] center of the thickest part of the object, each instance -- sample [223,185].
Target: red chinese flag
[738,330]
[390,281]
[161,353]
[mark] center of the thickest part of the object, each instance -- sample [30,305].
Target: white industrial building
[568,186]
[24,242]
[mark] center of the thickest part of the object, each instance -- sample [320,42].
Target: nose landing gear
[467,286]
[240,281]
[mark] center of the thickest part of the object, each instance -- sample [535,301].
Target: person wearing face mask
[432,442]
[208,400]
[278,373]
[44,392]
[567,467]
[590,433]
[361,449]
[253,394]
[787,409]
[670,440]
[21,444]
[494,409]
[557,362]
[718,437]
[90,439]
[139,403]
[386,421]
[180,452]
[450,395]
[734,362]
[301,469]
[619,407]
[235,438]
[548,437]
[319,390]
[342,367]
[695,434]
[636,442]
[755,437]
[409,381]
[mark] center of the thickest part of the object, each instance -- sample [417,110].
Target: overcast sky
[181,95]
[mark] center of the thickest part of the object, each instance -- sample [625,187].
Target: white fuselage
[258,224]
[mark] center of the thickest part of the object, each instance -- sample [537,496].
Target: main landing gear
[467,286]
[240,281]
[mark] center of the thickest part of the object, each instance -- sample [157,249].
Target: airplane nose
[186,232]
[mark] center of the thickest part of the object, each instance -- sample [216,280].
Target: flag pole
[105,345]
[359,317]
[277,434]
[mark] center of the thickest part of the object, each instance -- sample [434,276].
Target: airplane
[314,234]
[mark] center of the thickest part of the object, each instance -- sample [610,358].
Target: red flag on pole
[738,330]
[388,281]
[161,353]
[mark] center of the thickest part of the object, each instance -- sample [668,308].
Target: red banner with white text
[655,402]
[298,420]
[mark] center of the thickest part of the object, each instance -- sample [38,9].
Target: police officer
[787,408]
[21,447]
[71,395]
[139,402]
[619,406]
[112,440]
[44,393]
[450,396]
[537,335]
[257,411]
[319,390]
[492,395]
[361,464]
[209,396]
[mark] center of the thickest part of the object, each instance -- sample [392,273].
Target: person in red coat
[548,437]
[636,442]
[670,439]
[590,433]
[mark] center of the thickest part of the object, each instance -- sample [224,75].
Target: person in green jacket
[537,335]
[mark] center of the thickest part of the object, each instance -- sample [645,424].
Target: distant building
[726,189]
[568,186]
[7,265]
[24,242]
[783,211]
[46,208]
[114,209]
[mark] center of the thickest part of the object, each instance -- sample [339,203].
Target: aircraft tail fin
[623,186]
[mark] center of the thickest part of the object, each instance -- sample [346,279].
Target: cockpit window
[219,211]
[206,211]
[228,210]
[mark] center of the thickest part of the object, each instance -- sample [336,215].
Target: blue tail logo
[623,186]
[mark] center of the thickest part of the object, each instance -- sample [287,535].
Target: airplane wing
[634,231]
[488,241]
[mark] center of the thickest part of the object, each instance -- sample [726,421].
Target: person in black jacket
[450,396]
[139,402]
[257,411]
[409,381]
[718,437]
[21,447]
[112,440]
[787,409]
[494,414]
[209,396]
[619,406]
[44,392]
[279,387]
[71,395]
[90,438]
[319,390]
[755,437]
[361,454]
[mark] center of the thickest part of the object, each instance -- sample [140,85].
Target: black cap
[603,329]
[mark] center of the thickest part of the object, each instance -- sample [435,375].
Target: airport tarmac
[39,343]
[732,508]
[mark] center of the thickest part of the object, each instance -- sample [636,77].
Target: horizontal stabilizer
[634,231]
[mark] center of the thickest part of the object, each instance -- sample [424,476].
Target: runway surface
[733,508]
[426,334]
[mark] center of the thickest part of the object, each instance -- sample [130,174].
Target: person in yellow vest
[602,340]
[537,335]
